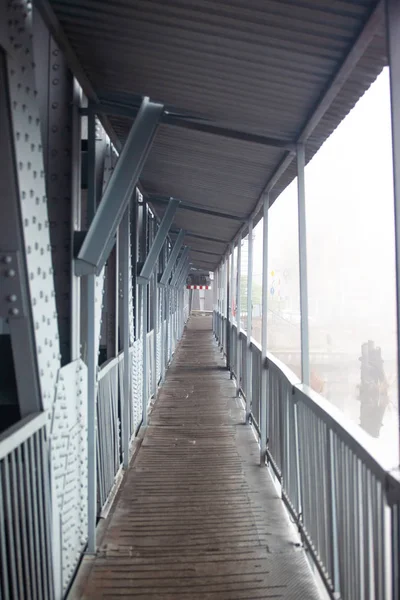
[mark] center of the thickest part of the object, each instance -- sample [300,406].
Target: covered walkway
[196,517]
[141,143]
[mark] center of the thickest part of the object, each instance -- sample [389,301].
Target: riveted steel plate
[11,292]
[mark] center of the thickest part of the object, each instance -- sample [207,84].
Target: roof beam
[155,199]
[233,134]
[203,237]
[48,15]
[334,86]
[204,252]
[208,262]
[342,74]
[119,190]
[173,118]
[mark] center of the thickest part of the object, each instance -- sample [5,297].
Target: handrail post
[92,358]
[305,358]
[145,357]
[333,512]
[167,327]
[126,335]
[264,337]
[227,312]
[238,315]
[231,279]
[249,319]
[155,309]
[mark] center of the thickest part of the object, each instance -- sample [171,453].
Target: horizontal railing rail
[109,456]
[344,499]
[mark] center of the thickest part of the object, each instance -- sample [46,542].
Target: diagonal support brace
[93,253]
[159,240]
[180,266]
[172,259]
[184,275]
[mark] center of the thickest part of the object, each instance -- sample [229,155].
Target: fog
[351,270]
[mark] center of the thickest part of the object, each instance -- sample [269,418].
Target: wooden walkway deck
[196,517]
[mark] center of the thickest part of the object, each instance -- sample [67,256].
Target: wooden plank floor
[196,516]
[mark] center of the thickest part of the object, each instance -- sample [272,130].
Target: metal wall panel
[68,445]
[32,194]
[54,84]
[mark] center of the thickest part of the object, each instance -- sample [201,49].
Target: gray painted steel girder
[120,188]
[180,265]
[159,240]
[172,259]
[184,274]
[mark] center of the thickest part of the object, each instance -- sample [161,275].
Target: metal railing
[25,556]
[108,428]
[344,501]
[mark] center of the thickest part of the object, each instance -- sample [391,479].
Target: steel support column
[163,319]
[231,287]
[167,329]
[19,312]
[92,358]
[145,396]
[126,282]
[249,320]
[221,306]
[76,220]
[393,42]
[155,329]
[227,309]
[305,358]
[238,320]
[264,339]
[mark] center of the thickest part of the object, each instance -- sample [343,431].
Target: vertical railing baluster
[145,358]
[4,555]
[9,528]
[332,506]
[297,456]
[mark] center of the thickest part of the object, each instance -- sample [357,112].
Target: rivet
[14,311]
[10,273]
[12,298]
[7,259]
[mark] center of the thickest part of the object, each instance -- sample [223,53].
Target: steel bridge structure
[140,143]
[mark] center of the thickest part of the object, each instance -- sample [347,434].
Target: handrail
[350,433]
[17,434]
[355,437]
[338,490]
[109,364]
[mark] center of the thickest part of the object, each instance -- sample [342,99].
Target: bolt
[12,298]
[10,273]
[14,312]
[7,259]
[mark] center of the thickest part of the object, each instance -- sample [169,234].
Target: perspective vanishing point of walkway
[196,517]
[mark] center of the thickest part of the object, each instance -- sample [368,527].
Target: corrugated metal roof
[256,66]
